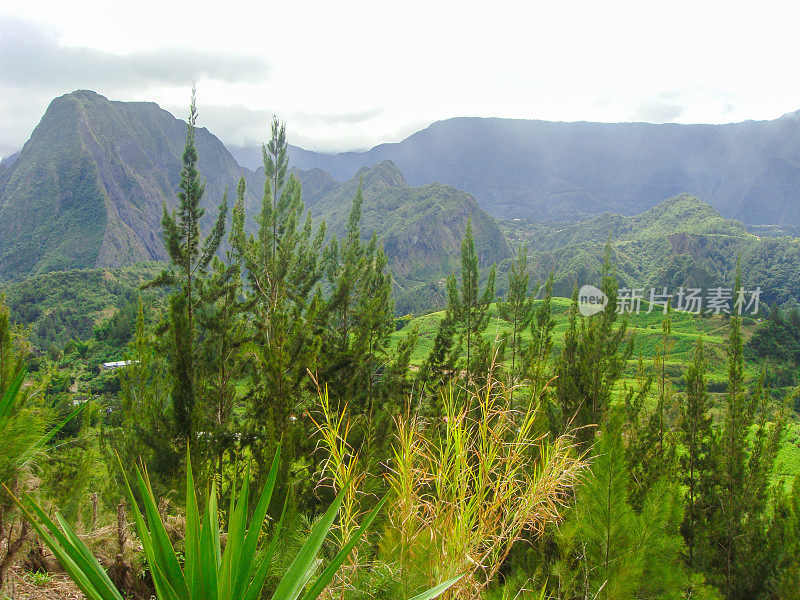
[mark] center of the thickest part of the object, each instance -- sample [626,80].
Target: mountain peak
[683,203]
[384,174]
[89,185]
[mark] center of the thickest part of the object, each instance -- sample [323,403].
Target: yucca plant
[22,442]
[208,572]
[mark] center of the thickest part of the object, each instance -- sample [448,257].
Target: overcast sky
[348,74]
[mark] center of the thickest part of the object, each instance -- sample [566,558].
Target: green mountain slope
[87,189]
[63,305]
[420,227]
[680,242]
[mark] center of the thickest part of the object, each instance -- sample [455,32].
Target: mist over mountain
[547,170]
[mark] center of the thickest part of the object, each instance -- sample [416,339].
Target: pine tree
[540,348]
[592,361]
[360,317]
[517,308]
[439,367]
[220,362]
[653,447]
[745,449]
[283,267]
[607,522]
[697,462]
[784,545]
[467,305]
[144,427]
[190,256]
[607,548]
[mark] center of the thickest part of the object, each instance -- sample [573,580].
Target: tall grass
[465,490]
[343,472]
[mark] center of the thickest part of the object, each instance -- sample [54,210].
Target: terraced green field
[645,328]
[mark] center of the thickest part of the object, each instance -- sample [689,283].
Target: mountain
[420,227]
[87,190]
[88,187]
[544,170]
[7,161]
[680,242]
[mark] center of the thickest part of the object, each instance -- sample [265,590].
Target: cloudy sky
[349,74]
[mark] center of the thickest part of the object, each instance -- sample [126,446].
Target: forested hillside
[680,242]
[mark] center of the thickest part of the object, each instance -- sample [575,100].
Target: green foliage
[611,551]
[517,309]
[594,358]
[72,305]
[697,463]
[470,308]
[206,572]
[359,312]
[283,265]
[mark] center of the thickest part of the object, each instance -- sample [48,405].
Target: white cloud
[394,67]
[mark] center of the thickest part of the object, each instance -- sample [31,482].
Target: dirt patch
[56,586]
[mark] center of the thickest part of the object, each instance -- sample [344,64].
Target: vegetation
[502,447]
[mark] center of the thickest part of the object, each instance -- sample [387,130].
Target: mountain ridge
[569,170]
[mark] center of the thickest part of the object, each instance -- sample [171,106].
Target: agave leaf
[213,516]
[163,552]
[95,572]
[254,588]
[9,400]
[248,553]
[291,583]
[325,577]
[209,544]
[233,561]
[192,541]
[438,590]
[87,574]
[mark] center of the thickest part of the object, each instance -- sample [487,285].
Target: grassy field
[645,328]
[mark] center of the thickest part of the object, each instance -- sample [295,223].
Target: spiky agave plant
[208,572]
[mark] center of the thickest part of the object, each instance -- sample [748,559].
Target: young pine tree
[360,321]
[592,361]
[283,267]
[517,308]
[540,348]
[143,428]
[697,465]
[608,549]
[745,449]
[190,256]
[468,306]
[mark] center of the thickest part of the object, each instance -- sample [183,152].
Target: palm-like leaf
[208,573]
[18,439]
